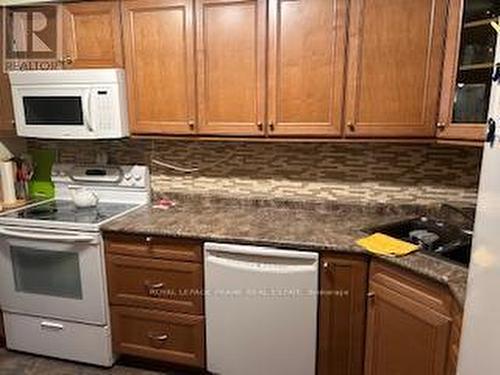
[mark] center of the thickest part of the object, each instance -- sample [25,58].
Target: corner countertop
[320,226]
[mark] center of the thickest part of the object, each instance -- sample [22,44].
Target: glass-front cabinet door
[468,68]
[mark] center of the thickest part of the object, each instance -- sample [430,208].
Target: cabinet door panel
[231,66]
[6,112]
[404,336]
[342,315]
[306,66]
[395,57]
[159,55]
[91,34]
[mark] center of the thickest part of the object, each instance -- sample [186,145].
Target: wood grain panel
[306,66]
[159,56]
[157,284]
[169,337]
[395,60]
[231,66]
[154,247]
[92,34]
[7,127]
[342,314]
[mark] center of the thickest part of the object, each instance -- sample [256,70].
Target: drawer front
[169,337]
[154,247]
[57,338]
[152,283]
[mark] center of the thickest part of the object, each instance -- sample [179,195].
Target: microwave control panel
[103,107]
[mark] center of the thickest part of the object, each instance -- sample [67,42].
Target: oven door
[58,112]
[58,274]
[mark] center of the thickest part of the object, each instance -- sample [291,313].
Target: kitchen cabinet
[467,70]
[159,58]
[342,314]
[306,47]
[154,286]
[6,113]
[395,57]
[92,35]
[408,326]
[231,37]
[456,330]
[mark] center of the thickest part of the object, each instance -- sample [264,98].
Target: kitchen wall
[376,172]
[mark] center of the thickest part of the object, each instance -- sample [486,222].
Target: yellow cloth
[379,243]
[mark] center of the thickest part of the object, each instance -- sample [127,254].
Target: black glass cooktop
[66,211]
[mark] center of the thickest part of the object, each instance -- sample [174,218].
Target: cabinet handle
[67,60]
[271,126]
[154,286]
[260,126]
[149,240]
[440,126]
[351,127]
[370,295]
[161,337]
[191,125]
[327,266]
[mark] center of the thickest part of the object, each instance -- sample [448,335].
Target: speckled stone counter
[304,226]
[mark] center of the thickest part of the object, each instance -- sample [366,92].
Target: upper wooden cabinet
[394,64]
[92,35]
[6,111]
[468,67]
[159,56]
[408,326]
[306,67]
[231,37]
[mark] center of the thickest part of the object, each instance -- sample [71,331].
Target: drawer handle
[51,326]
[161,337]
[154,290]
[154,286]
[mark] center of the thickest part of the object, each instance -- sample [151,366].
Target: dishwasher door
[261,310]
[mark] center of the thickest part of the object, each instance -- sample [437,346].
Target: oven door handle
[49,237]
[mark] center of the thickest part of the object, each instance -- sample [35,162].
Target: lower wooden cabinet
[171,337]
[342,314]
[154,286]
[408,325]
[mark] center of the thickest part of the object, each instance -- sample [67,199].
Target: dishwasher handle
[261,264]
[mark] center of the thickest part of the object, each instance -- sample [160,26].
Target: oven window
[52,273]
[53,110]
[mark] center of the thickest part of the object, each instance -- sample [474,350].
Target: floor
[14,363]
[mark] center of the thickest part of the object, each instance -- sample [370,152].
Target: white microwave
[70,104]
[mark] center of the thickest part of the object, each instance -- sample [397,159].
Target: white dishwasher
[261,310]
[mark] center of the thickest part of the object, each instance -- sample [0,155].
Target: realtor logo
[31,37]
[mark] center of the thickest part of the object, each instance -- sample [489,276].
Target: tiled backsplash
[363,172]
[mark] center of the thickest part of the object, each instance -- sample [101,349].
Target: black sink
[434,237]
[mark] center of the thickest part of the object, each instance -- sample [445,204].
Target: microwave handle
[88,113]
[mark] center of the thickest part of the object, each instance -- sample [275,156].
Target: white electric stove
[52,271]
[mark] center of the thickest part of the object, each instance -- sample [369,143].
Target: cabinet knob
[271,126]
[191,125]
[149,239]
[440,126]
[351,126]
[67,60]
[260,126]
[370,295]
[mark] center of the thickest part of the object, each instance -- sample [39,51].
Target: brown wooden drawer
[417,288]
[154,247]
[153,283]
[169,337]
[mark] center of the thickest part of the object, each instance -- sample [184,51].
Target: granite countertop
[313,226]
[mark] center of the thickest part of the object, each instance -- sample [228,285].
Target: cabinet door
[91,35]
[395,59]
[231,37]
[404,336]
[2,332]
[342,314]
[6,111]
[159,56]
[306,67]
[467,70]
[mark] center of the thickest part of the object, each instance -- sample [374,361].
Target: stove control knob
[127,176]
[137,176]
